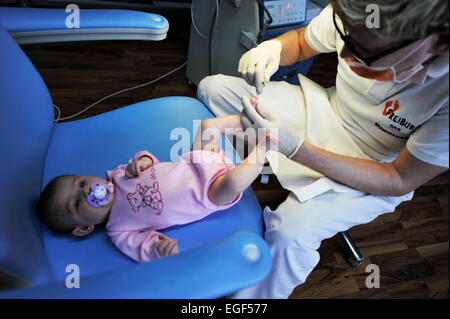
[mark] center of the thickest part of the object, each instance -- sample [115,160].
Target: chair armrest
[36,25]
[211,271]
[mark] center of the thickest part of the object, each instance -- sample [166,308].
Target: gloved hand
[260,63]
[290,136]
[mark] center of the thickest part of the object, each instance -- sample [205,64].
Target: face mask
[98,196]
[398,66]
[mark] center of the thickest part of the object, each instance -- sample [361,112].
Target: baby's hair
[48,210]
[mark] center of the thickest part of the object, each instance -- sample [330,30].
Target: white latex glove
[289,135]
[259,64]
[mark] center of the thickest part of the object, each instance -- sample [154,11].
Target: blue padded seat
[93,145]
[26,124]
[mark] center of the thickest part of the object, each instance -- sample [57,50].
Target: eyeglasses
[351,46]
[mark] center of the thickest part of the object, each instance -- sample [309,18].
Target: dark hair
[403,19]
[48,210]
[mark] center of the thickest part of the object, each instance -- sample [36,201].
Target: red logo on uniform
[387,110]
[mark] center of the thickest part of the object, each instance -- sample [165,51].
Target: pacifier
[98,196]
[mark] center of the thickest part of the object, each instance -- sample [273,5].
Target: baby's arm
[225,189]
[144,245]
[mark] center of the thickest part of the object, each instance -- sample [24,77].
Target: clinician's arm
[294,47]
[400,177]
[403,175]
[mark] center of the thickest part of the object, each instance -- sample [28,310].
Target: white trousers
[295,229]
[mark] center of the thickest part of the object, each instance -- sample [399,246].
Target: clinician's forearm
[364,175]
[294,47]
[290,49]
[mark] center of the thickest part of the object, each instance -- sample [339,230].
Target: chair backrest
[26,122]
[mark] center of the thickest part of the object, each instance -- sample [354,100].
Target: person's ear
[442,46]
[82,230]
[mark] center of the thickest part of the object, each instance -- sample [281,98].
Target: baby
[146,195]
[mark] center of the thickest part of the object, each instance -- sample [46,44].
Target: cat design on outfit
[147,196]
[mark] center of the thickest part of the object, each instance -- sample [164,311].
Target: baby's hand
[166,246]
[136,167]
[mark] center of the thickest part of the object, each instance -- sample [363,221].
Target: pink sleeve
[138,245]
[140,154]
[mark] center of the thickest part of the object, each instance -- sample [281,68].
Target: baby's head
[64,205]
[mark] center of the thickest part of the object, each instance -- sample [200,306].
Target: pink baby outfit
[164,195]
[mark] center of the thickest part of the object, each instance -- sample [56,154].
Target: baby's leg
[209,132]
[226,188]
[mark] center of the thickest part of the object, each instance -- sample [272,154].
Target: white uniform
[361,118]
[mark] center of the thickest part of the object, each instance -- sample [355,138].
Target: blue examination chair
[218,255]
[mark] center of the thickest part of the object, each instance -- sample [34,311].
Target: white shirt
[383,116]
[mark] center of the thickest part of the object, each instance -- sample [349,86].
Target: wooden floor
[410,246]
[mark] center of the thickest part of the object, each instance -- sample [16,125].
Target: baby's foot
[272,140]
[254,101]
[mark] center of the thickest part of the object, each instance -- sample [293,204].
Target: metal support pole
[355,257]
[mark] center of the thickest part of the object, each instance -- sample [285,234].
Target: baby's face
[72,198]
